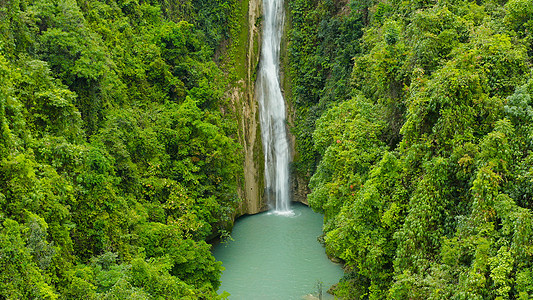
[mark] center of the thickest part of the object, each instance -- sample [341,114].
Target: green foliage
[519,16]
[435,200]
[21,277]
[117,160]
[346,137]
[322,42]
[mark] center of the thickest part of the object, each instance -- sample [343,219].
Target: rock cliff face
[299,184]
[247,112]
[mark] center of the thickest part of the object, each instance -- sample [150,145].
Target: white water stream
[272,111]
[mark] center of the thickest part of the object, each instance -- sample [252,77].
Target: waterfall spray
[272,110]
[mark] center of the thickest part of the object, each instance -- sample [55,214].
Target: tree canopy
[418,146]
[117,159]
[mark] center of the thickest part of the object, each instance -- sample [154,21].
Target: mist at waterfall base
[276,257]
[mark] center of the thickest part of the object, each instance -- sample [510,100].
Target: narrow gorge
[275,255]
[263,80]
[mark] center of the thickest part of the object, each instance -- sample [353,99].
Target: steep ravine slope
[299,182]
[245,53]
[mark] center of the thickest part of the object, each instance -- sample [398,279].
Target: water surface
[276,257]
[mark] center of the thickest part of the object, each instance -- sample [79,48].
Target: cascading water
[272,110]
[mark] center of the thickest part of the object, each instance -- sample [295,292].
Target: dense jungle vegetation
[415,126]
[116,161]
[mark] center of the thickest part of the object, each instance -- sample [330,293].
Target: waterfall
[272,110]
